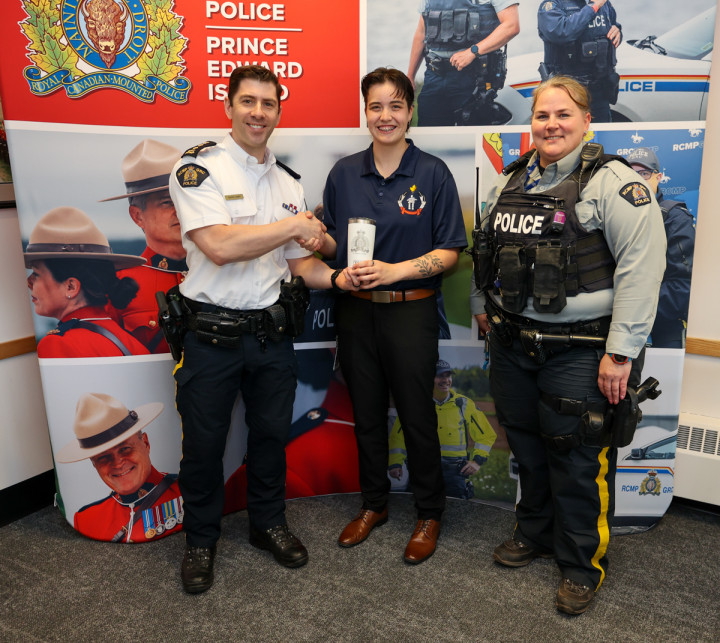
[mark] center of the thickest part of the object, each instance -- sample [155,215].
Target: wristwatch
[620,359]
[333,280]
[474,49]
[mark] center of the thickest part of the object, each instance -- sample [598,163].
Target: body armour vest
[538,246]
[592,56]
[457,24]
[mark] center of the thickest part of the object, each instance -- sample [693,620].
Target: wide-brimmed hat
[102,422]
[69,233]
[644,156]
[147,168]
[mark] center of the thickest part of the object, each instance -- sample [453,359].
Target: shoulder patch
[635,194]
[547,6]
[191,175]
[196,149]
[289,170]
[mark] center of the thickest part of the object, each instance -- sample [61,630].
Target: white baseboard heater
[697,459]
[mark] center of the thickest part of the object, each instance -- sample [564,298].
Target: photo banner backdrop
[78,115]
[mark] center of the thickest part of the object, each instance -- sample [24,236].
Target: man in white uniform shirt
[244,230]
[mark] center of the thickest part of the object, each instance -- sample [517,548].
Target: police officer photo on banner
[476,62]
[476,458]
[115,438]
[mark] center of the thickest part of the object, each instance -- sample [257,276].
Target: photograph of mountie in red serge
[144,504]
[73,279]
[321,454]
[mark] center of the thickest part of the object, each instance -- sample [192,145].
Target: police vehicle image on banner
[645,476]
[662,78]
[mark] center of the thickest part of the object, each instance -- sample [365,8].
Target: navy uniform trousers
[208,380]
[567,497]
[393,347]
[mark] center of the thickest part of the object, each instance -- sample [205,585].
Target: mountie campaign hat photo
[644,156]
[69,233]
[147,168]
[102,422]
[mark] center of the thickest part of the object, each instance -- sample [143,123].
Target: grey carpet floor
[55,585]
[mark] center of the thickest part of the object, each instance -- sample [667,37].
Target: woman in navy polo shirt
[388,330]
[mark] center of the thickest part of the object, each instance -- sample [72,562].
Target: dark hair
[140,201]
[98,281]
[579,94]
[403,87]
[254,72]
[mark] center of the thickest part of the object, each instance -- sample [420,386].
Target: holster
[482,257]
[171,320]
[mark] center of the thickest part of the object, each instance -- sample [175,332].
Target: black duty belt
[226,322]
[598,327]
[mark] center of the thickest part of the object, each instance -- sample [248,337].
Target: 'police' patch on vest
[191,175]
[635,194]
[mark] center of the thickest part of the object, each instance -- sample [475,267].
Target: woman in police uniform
[575,247]
[72,279]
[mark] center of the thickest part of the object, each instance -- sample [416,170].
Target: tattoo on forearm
[429,265]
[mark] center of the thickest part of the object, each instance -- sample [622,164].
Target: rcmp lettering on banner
[635,194]
[415,202]
[191,175]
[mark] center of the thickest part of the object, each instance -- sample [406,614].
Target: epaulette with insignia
[195,150]
[191,175]
[289,170]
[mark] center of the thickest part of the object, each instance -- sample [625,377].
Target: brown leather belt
[391,296]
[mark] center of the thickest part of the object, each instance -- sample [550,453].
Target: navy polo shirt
[416,209]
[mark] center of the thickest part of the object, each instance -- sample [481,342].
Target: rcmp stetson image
[102,422]
[69,233]
[147,168]
[86,45]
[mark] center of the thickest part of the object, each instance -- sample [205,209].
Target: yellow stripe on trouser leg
[602,523]
[175,370]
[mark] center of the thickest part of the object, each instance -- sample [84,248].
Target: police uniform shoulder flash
[289,170]
[547,6]
[191,175]
[196,149]
[635,194]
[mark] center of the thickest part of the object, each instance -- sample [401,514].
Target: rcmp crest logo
[85,45]
[651,484]
[412,202]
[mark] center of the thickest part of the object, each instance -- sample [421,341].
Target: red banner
[165,63]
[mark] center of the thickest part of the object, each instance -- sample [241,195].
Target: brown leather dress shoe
[423,541]
[359,528]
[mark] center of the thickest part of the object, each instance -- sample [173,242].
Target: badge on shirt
[191,175]
[234,197]
[290,207]
[548,6]
[412,202]
[635,194]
